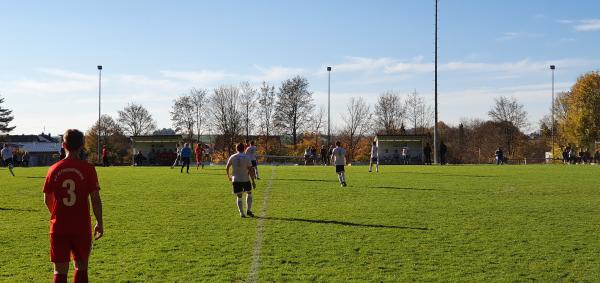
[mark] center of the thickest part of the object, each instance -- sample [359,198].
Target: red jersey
[104,152]
[71,181]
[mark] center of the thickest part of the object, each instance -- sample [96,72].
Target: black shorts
[374,159]
[185,160]
[254,163]
[240,187]
[339,168]
[8,161]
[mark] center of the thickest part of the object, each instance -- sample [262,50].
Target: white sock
[249,202]
[240,205]
[377,167]
[370,167]
[343,174]
[340,178]
[256,171]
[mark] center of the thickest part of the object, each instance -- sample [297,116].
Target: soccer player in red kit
[69,185]
[199,152]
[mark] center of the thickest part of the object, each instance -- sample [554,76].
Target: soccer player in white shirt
[251,152]
[242,179]
[374,157]
[338,157]
[7,156]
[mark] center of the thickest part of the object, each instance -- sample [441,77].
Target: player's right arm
[97,208]
[227,169]
[49,201]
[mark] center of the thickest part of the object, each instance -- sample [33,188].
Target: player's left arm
[227,170]
[97,208]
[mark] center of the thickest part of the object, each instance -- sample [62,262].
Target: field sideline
[406,223]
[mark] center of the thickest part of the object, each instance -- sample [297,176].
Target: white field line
[255,267]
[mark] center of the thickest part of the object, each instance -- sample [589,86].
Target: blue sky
[153,51]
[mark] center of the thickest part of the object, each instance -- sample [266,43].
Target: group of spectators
[19,157]
[164,156]
[312,157]
[584,156]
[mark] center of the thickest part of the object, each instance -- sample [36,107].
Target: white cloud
[583,25]
[274,73]
[506,36]
[200,77]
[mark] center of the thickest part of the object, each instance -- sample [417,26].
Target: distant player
[199,153]
[186,155]
[374,157]
[104,156]
[7,156]
[242,179]
[70,183]
[178,158]
[251,152]
[338,157]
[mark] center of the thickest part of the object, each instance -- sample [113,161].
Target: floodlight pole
[99,109]
[552,67]
[435,125]
[329,106]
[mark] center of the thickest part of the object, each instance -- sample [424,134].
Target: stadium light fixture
[329,106]
[552,67]
[99,109]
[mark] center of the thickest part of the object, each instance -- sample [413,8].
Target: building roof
[27,138]
[157,139]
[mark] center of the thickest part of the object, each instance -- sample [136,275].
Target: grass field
[415,223]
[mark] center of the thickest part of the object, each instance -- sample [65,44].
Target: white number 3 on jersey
[70,186]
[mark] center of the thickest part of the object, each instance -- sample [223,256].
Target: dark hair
[73,139]
[252,142]
[247,141]
[374,142]
[338,143]
[240,147]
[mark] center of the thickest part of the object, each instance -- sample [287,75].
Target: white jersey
[374,151]
[339,155]
[251,152]
[240,164]
[6,153]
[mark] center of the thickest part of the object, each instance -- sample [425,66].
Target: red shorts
[63,246]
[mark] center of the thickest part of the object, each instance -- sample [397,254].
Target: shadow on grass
[17,209]
[34,177]
[399,188]
[306,180]
[344,223]
[446,174]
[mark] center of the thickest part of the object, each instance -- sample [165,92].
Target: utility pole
[435,125]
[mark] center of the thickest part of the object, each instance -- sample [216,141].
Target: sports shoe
[242,215]
[344,184]
[341,184]
[249,213]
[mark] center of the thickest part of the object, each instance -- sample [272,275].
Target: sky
[154,51]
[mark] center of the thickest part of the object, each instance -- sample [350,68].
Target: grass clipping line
[255,267]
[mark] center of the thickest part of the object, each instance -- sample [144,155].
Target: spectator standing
[427,153]
[443,152]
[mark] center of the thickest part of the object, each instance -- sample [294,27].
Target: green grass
[416,223]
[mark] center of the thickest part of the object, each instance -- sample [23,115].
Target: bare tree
[199,101]
[417,112]
[389,113]
[509,113]
[356,122]
[226,113]
[136,120]
[294,105]
[317,122]
[248,101]
[266,107]
[183,115]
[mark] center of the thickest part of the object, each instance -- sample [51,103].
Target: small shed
[391,146]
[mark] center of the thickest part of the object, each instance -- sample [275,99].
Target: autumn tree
[227,114]
[512,117]
[578,113]
[293,107]
[5,118]
[248,101]
[389,113]
[356,122]
[135,120]
[266,107]
[112,136]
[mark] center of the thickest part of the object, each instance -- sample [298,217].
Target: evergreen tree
[5,118]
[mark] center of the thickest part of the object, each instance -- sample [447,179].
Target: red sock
[80,276]
[60,278]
